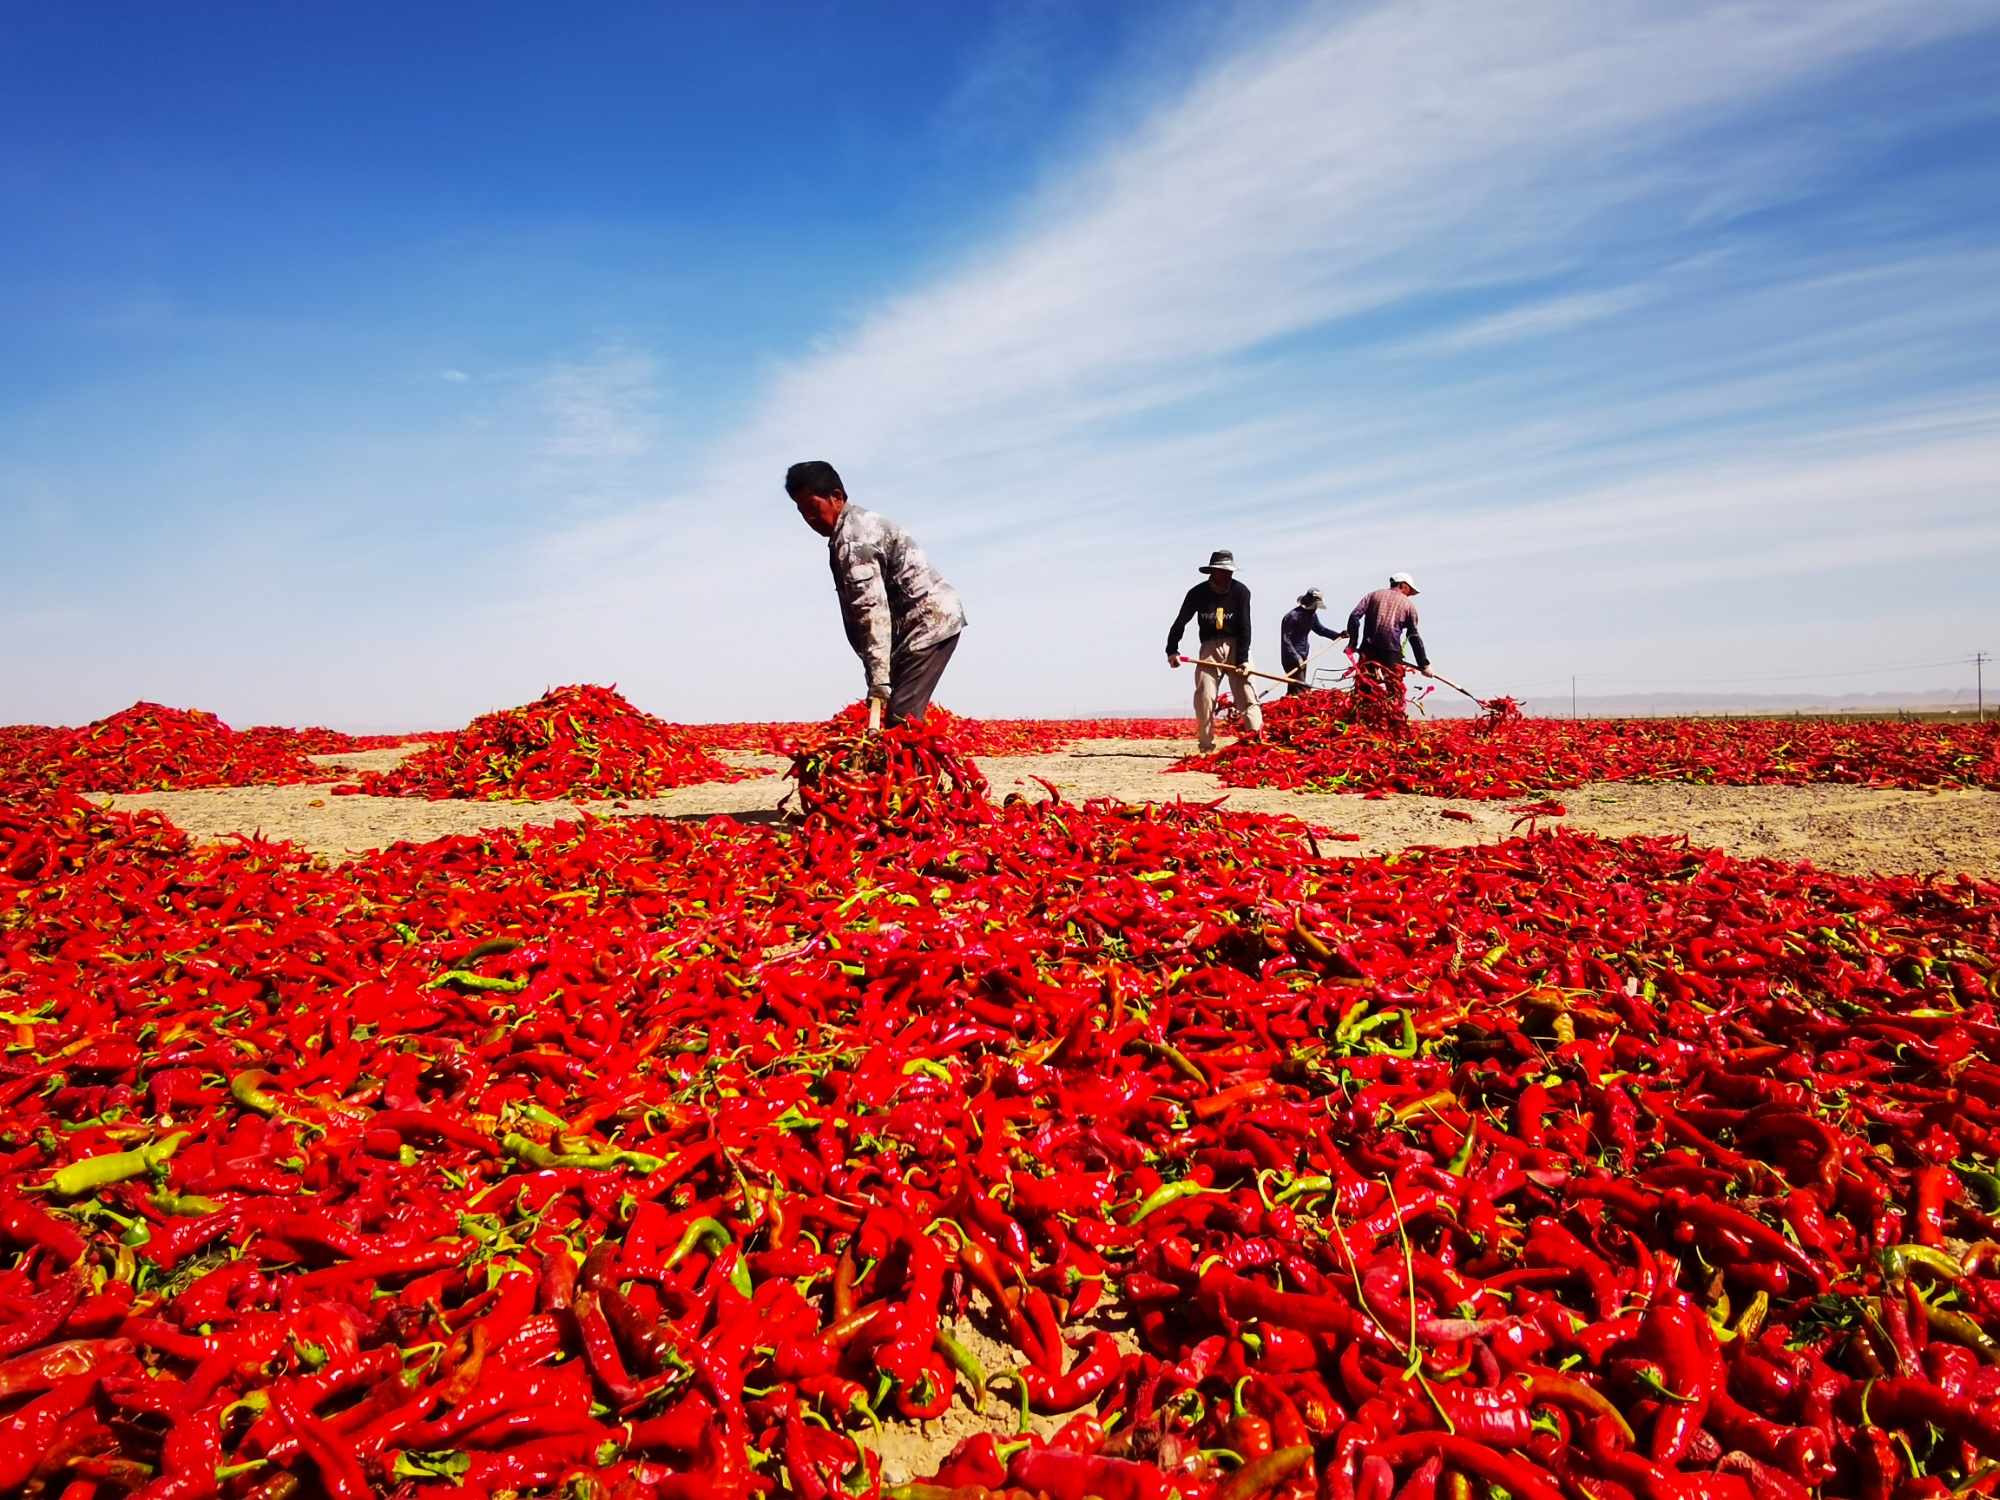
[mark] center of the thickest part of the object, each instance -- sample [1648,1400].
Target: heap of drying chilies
[150,747]
[584,741]
[649,1159]
[1315,742]
[971,736]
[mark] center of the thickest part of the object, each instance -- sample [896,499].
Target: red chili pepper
[1473,1457]
[1075,1476]
[1089,1377]
[1936,1186]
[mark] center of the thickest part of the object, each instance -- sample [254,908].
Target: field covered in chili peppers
[1312,742]
[645,1157]
[972,736]
[583,741]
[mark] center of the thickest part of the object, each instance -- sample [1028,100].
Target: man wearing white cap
[1376,628]
[1295,637]
[1220,609]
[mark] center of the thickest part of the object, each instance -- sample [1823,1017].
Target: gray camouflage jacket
[891,598]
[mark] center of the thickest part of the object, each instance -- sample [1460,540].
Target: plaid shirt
[891,599]
[1388,614]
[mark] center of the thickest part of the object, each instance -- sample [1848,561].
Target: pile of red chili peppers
[148,748]
[1312,742]
[643,1158]
[584,742]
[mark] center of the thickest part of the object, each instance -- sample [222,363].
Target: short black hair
[813,477]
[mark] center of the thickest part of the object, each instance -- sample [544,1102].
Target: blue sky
[378,365]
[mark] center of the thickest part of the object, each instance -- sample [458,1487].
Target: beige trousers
[1208,683]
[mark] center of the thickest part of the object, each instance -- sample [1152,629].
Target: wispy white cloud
[1553,315]
[1181,344]
[1492,292]
[606,407]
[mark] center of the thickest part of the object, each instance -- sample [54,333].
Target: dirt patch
[912,1449]
[1850,829]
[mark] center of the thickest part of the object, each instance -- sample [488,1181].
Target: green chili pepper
[1897,1261]
[484,984]
[709,1236]
[1314,1184]
[536,1155]
[184,1205]
[247,1089]
[1960,1329]
[1165,1193]
[1462,1158]
[1986,1182]
[94,1172]
[965,1362]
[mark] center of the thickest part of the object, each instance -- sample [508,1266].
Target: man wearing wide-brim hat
[1295,638]
[1220,610]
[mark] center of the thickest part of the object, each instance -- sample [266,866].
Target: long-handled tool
[1440,677]
[1301,668]
[1498,708]
[1227,666]
[1298,673]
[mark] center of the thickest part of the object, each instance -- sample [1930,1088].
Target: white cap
[1396,578]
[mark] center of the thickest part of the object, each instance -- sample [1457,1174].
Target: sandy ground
[1837,828]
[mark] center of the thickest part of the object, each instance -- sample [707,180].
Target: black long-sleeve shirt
[1295,635]
[1218,615]
[1379,623]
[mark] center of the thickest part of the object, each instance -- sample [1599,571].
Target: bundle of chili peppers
[974,736]
[642,1158]
[148,748]
[1334,741]
[583,742]
[899,781]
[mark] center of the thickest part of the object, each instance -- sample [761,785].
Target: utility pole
[1979,661]
[1572,696]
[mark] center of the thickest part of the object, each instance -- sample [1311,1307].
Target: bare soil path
[1838,828]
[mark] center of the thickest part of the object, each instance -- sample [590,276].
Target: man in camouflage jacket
[903,620]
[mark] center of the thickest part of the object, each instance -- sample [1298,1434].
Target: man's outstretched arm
[1179,628]
[864,609]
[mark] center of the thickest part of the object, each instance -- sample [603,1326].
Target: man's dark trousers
[1295,668]
[913,677]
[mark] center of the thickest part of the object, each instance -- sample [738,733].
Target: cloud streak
[1284,311]
[1603,316]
